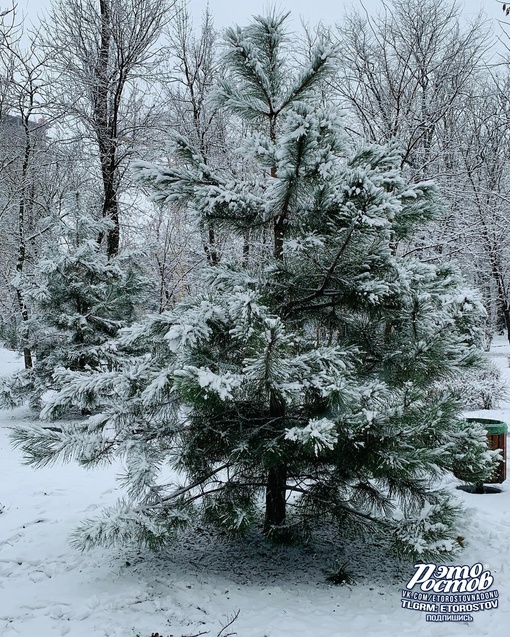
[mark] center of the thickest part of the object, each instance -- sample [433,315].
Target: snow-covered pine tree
[313,380]
[79,300]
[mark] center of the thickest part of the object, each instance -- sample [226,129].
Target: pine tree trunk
[275,498]
[276,487]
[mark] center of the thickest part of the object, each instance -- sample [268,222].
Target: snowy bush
[479,388]
[472,463]
[79,300]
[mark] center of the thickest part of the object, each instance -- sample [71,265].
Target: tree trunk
[502,299]
[27,353]
[106,112]
[211,250]
[20,263]
[275,498]
[506,315]
[246,248]
[111,211]
[276,487]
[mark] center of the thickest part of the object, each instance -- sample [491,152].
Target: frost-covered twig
[231,620]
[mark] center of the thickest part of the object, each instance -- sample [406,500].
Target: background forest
[100,85]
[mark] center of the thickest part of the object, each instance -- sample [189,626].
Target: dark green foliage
[313,378]
[467,465]
[79,301]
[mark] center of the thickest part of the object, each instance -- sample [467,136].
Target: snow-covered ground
[48,589]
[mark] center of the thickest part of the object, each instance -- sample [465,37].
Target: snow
[320,433]
[219,384]
[48,589]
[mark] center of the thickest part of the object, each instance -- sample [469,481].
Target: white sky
[228,12]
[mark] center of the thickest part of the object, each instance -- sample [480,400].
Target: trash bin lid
[492,426]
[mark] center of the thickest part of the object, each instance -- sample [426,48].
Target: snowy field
[48,589]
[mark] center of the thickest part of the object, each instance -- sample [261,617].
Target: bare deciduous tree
[23,153]
[482,142]
[103,52]
[404,70]
[193,70]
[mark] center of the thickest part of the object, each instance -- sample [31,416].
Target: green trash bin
[496,438]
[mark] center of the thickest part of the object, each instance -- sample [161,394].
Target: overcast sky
[228,12]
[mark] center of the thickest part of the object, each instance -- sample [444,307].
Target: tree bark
[276,487]
[20,263]
[106,110]
[275,498]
